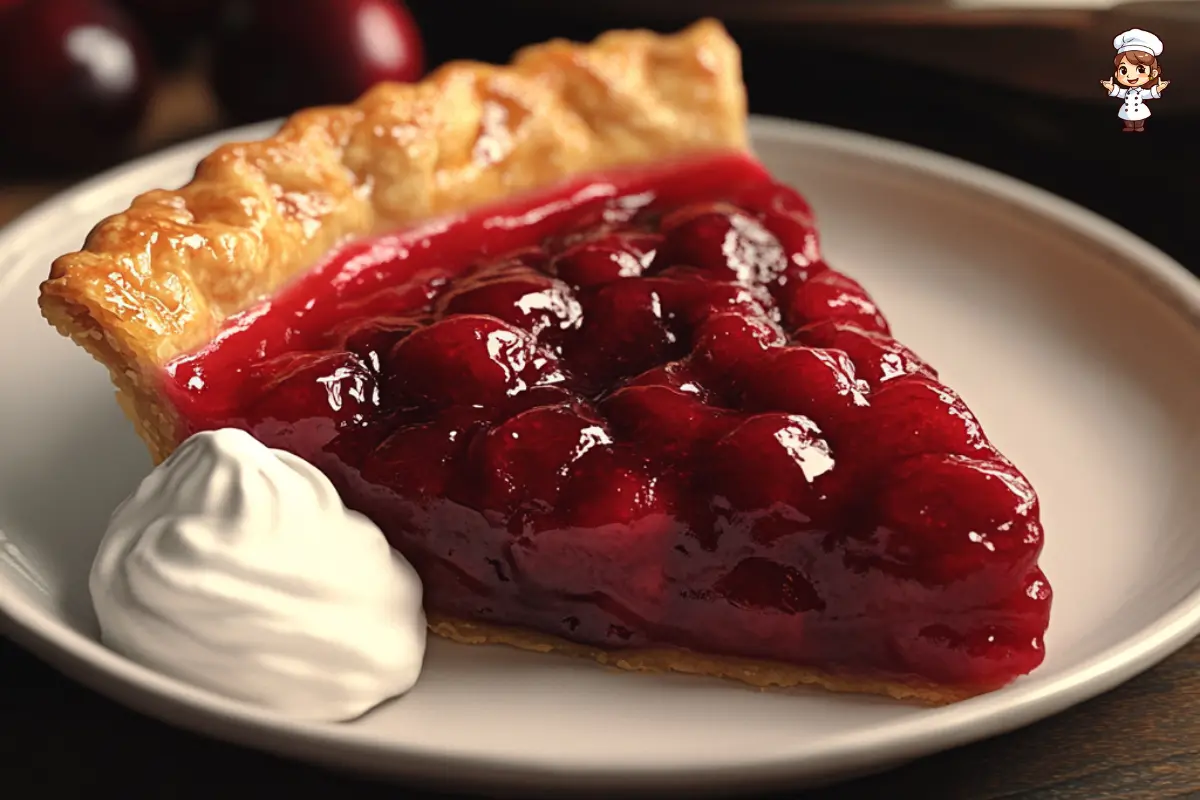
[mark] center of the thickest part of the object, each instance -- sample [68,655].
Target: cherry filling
[640,410]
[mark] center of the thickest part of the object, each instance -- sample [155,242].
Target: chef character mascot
[1137,76]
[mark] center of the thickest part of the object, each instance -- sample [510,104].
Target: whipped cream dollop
[237,568]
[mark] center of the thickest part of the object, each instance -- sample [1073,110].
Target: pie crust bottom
[756,673]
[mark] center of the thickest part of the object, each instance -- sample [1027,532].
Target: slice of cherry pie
[555,330]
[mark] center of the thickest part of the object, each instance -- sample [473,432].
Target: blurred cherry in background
[271,57]
[174,27]
[77,76]
[75,79]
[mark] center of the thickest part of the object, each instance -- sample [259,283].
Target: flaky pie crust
[758,673]
[158,279]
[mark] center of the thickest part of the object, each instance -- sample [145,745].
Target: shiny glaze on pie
[639,410]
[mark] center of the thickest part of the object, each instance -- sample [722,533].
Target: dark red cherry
[531,258]
[877,357]
[535,397]
[524,462]
[614,486]
[914,416]
[943,518]
[817,383]
[308,396]
[664,423]
[624,333]
[724,241]
[373,338]
[602,259]
[272,57]
[777,462]
[75,80]
[729,345]
[830,295]
[789,217]
[598,224]
[614,524]
[677,375]
[408,298]
[522,262]
[532,301]
[466,360]
[688,299]
[759,584]
[420,461]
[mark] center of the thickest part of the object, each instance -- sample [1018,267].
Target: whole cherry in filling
[650,415]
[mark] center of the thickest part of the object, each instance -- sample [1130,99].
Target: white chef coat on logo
[1135,100]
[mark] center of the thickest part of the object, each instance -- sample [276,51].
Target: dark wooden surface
[1139,741]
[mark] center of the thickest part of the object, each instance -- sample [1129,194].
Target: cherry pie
[565,340]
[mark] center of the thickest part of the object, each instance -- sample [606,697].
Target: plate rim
[171,701]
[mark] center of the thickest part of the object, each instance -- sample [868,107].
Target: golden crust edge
[158,279]
[760,674]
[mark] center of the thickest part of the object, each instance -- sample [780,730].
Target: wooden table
[1140,741]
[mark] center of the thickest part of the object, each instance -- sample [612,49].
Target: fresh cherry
[272,57]
[75,80]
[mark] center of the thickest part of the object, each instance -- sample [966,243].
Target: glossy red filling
[639,410]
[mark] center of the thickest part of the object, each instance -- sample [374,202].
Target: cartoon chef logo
[1137,76]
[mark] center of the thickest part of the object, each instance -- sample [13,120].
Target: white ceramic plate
[1077,344]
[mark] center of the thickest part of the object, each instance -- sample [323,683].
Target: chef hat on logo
[1138,39]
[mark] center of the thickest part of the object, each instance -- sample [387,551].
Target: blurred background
[1010,84]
